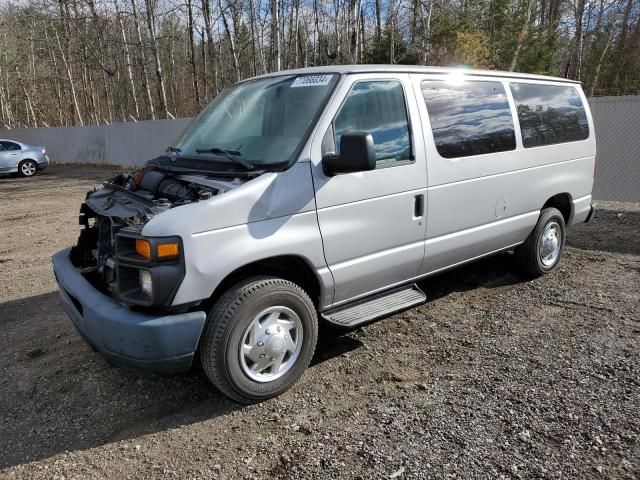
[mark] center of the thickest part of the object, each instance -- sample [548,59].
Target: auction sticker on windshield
[311,81]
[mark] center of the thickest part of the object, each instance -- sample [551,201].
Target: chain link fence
[617,121]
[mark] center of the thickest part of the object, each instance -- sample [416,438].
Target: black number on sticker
[311,81]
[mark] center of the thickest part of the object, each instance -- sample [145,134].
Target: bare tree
[72,87]
[232,45]
[523,35]
[151,25]
[143,63]
[128,65]
[275,35]
[192,52]
[594,82]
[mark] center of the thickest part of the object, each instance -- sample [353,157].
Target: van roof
[346,69]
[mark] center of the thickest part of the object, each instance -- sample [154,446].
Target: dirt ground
[496,376]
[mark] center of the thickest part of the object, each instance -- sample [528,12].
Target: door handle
[418,206]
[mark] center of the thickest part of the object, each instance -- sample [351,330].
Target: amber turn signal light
[162,250]
[143,248]
[166,250]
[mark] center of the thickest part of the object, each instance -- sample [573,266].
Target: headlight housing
[149,270]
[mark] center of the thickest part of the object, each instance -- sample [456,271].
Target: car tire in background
[542,250]
[27,168]
[259,338]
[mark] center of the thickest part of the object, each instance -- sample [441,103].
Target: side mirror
[357,154]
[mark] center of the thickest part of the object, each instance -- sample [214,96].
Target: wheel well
[562,202]
[289,267]
[27,160]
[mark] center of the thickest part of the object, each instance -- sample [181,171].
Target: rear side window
[549,114]
[378,108]
[473,118]
[8,146]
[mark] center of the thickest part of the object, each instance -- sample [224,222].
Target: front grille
[105,242]
[94,252]
[105,237]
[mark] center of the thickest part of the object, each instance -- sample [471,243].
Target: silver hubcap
[550,244]
[271,344]
[28,168]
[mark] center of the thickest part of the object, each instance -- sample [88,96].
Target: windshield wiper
[233,155]
[174,149]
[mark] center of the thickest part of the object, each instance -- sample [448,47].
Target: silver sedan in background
[20,158]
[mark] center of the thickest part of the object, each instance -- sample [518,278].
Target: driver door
[372,223]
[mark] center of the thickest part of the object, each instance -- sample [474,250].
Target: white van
[322,193]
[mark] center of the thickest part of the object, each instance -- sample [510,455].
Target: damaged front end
[111,252]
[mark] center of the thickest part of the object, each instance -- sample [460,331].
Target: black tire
[226,326]
[529,254]
[27,172]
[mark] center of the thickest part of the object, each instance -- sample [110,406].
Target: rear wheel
[259,338]
[27,168]
[542,250]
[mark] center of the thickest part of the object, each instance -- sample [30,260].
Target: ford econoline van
[322,194]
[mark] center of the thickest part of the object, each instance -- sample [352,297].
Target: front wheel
[542,250]
[259,339]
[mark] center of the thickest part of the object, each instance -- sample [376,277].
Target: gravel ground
[495,377]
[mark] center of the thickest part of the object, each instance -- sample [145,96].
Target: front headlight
[146,284]
[149,270]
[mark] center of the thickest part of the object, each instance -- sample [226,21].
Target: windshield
[263,121]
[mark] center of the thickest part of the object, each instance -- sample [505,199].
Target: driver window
[378,108]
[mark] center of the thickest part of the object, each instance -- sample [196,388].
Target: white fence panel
[118,144]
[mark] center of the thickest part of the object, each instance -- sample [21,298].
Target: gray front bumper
[164,344]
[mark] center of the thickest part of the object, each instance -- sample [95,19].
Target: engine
[163,188]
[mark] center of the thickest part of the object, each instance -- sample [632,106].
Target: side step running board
[375,307]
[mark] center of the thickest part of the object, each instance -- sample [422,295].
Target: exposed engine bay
[135,198]
[126,203]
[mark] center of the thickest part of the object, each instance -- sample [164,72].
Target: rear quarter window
[473,118]
[549,114]
[8,146]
